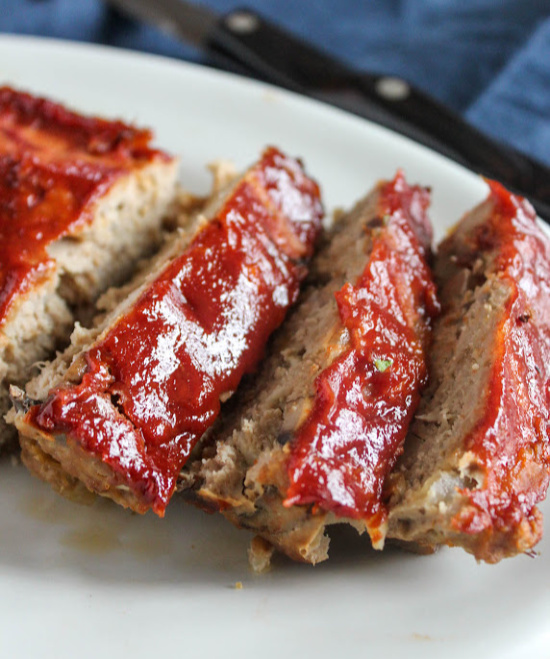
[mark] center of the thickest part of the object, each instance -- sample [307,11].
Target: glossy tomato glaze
[53,165]
[511,439]
[153,383]
[365,400]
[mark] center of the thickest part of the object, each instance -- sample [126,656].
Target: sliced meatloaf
[81,200]
[477,457]
[121,410]
[310,440]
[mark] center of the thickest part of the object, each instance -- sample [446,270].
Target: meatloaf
[311,439]
[81,200]
[477,458]
[121,410]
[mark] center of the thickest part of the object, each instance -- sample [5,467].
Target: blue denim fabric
[488,59]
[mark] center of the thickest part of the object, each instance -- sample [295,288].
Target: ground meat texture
[129,406]
[477,459]
[310,441]
[82,199]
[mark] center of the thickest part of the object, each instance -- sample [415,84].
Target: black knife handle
[275,55]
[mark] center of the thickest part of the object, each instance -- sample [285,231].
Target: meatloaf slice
[81,200]
[477,457]
[310,440]
[122,409]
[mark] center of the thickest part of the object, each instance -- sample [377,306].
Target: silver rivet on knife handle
[393,89]
[242,22]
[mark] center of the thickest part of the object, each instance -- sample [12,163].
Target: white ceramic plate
[92,582]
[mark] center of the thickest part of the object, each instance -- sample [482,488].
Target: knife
[242,41]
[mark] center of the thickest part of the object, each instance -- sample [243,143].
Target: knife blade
[243,41]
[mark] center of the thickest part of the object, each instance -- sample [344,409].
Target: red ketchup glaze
[511,440]
[53,165]
[154,382]
[365,399]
